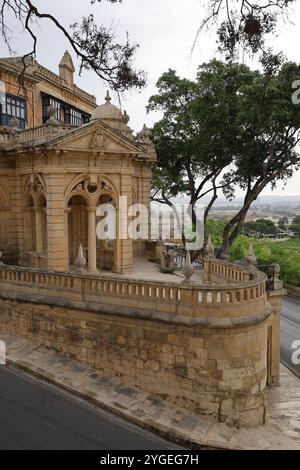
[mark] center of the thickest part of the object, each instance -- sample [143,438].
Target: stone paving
[144,270]
[282,430]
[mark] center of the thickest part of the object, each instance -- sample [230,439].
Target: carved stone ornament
[188,269]
[80,260]
[98,142]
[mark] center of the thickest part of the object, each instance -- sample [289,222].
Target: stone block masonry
[213,371]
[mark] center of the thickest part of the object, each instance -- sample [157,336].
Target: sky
[165,31]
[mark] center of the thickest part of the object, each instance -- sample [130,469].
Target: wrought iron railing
[267,267]
[180,257]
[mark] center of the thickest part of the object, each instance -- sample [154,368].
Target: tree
[96,46]
[295,228]
[244,23]
[261,227]
[196,137]
[296,220]
[269,133]
[283,223]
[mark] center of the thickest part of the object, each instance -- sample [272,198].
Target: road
[290,331]
[34,415]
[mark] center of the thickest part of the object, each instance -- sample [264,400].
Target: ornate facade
[53,178]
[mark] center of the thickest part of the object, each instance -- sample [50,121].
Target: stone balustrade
[210,347]
[36,134]
[234,303]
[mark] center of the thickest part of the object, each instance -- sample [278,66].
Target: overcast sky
[165,30]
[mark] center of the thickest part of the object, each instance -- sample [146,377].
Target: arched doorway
[29,227]
[77,228]
[107,249]
[34,251]
[83,197]
[41,225]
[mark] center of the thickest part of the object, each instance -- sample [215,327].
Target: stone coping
[259,278]
[145,314]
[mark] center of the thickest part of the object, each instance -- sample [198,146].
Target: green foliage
[197,136]
[165,270]
[286,253]
[283,223]
[295,228]
[215,229]
[296,220]
[260,226]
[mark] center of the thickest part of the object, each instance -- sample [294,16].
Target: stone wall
[293,291]
[220,372]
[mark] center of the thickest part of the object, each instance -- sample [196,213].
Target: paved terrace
[149,271]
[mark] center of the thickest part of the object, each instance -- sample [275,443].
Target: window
[72,116]
[64,112]
[13,107]
[48,101]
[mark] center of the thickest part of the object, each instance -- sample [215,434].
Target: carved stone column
[39,215]
[92,241]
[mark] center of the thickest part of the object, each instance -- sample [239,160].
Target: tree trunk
[235,225]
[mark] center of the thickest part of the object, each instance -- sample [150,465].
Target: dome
[107,111]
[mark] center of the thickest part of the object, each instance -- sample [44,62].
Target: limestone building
[209,343]
[61,157]
[26,94]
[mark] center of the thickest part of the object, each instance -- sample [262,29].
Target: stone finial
[251,258]
[51,110]
[276,271]
[209,249]
[67,61]
[188,269]
[108,97]
[14,124]
[145,134]
[67,69]
[125,117]
[80,260]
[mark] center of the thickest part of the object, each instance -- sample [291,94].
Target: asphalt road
[34,415]
[290,332]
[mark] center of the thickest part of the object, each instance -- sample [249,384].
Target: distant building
[41,88]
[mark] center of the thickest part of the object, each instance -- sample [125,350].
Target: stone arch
[82,198]
[35,220]
[36,187]
[82,185]
[71,188]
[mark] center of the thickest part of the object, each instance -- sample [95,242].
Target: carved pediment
[94,137]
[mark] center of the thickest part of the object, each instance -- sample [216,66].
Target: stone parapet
[203,347]
[219,305]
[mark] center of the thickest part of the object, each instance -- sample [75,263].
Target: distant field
[292,244]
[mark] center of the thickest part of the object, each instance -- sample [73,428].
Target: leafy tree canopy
[197,135]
